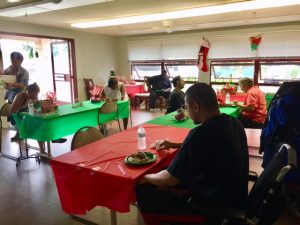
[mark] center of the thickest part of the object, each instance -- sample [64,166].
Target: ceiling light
[13,1]
[194,12]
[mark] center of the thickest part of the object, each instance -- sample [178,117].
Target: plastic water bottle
[30,107]
[119,96]
[141,138]
[227,98]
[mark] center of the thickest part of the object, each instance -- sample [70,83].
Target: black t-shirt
[159,82]
[214,162]
[176,100]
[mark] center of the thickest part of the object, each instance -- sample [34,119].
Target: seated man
[176,99]
[254,109]
[211,165]
[159,85]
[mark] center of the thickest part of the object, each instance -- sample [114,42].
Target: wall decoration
[202,55]
[255,41]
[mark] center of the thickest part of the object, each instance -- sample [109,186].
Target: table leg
[49,149]
[113,217]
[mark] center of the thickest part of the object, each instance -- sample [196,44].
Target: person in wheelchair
[211,165]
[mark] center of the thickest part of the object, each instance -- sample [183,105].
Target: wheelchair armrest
[231,214]
[252,176]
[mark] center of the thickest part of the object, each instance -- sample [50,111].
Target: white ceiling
[121,8]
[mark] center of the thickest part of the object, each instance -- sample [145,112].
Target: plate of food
[140,159]
[181,115]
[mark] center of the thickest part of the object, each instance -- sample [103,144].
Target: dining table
[169,119]
[97,175]
[66,120]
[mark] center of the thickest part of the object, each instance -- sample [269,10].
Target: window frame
[164,65]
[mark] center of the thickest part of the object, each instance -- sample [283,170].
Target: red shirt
[255,97]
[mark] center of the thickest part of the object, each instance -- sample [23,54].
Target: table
[168,120]
[95,174]
[65,122]
[132,89]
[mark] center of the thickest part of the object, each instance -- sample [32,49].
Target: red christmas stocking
[202,56]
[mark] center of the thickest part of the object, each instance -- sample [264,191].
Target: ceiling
[121,8]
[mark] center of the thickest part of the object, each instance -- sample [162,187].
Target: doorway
[50,62]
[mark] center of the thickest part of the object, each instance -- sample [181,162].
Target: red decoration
[202,56]
[255,41]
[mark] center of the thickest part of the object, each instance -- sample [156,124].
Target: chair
[4,112]
[266,199]
[84,136]
[89,85]
[109,107]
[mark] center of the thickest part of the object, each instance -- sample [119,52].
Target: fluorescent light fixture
[13,1]
[46,6]
[186,13]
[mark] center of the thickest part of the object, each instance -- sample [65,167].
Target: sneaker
[44,155]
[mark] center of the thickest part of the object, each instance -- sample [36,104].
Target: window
[186,69]
[231,71]
[141,70]
[277,72]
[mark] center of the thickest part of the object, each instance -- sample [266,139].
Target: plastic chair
[109,107]
[266,200]
[84,136]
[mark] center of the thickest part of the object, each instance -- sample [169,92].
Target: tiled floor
[30,197]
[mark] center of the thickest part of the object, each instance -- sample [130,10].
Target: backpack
[283,125]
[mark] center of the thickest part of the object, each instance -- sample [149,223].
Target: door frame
[71,41]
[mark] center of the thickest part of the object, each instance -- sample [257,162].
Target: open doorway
[49,61]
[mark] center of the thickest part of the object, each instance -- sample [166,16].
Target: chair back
[89,85]
[4,111]
[109,107]
[266,200]
[84,136]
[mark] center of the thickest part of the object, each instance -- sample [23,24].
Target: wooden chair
[84,136]
[140,97]
[89,85]
[109,107]
[4,112]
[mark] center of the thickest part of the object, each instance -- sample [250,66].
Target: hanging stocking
[202,56]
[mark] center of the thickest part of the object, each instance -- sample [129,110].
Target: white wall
[124,66]
[95,54]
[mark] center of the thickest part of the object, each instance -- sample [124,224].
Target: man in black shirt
[212,165]
[176,99]
[159,85]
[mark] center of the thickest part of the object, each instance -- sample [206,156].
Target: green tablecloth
[168,120]
[66,121]
[269,97]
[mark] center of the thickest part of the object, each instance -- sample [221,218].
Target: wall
[95,54]
[124,66]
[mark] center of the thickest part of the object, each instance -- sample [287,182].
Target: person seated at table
[114,89]
[20,103]
[159,85]
[254,109]
[211,165]
[176,99]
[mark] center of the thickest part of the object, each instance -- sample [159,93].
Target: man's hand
[8,85]
[167,145]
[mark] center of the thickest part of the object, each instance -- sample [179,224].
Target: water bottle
[141,138]
[227,98]
[30,107]
[119,96]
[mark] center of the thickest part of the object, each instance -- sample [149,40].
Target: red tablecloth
[132,89]
[82,187]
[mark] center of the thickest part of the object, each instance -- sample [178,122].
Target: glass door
[62,71]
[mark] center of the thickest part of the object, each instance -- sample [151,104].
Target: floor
[30,197]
